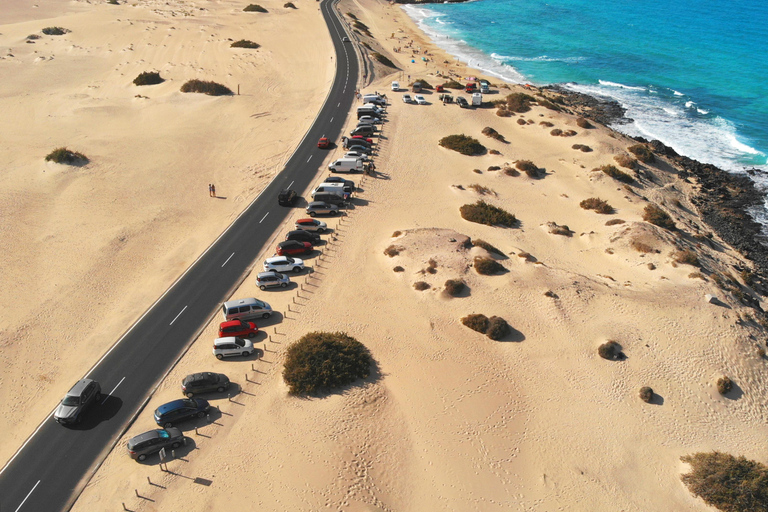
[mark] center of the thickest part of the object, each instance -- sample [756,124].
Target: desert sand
[450,420]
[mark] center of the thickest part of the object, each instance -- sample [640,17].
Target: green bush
[616,174]
[244,43]
[642,153]
[583,123]
[498,328]
[519,102]
[484,213]
[728,483]
[597,204]
[255,8]
[477,322]
[383,60]
[490,132]
[658,217]
[148,78]
[55,31]
[453,287]
[528,168]
[209,88]
[464,144]
[65,156]
[610,350]
[453,84]
[646,394]
[485,245]
[321,361]
[487,266]
[724,385]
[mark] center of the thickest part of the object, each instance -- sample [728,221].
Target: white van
[246,309]
[477,99]
[395,86]
[375,99]
[331,188]
[346,165]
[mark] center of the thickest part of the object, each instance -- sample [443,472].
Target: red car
[366,139]
[471,87]
[237,328]
[292,247]
[323,143]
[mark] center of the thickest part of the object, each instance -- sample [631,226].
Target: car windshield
[289,260]
[189,403]
[239,342]
[71,400]
[163,434]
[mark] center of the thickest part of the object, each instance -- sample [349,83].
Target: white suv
[231,346]
[283,264]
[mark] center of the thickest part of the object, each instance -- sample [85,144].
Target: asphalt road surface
[51,468]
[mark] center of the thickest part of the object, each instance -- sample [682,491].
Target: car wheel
[219,356]
[246,354]
[311,214]
[220,389]
[167,424]
[320,230]
[201,414]
[262,287]
[265,315]
[175,445]
[97,397]
[142,457]
[189,394]
[283,285]
[251,334]
[296,270]
[334,212]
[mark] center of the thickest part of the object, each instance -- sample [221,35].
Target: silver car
[321,208]
[283,264]
[82,396]
[272,279]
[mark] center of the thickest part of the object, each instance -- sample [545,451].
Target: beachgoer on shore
[213,190]
[210,190]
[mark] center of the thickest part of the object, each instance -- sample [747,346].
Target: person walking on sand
[210,190]
[213,190]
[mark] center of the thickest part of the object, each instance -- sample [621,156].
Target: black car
[462,102]
[287,197]
[303,236]
[204,382]
[168,415]
[145,444]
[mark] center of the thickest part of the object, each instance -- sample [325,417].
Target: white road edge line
[28,495]
[177,316]
[113,390]
[289,186]
[230,257]
[310,158]
[264,217]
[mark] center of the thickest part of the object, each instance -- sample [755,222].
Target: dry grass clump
[148,78]
[482,190]
[393,251]
[687,257]
[476,321]
[546,124]
[503,112]
[289,5]
[494,152]
[641,246]
[556,132]
[613,222]
[490,132]
[646,394]
[321,361]
[498,328]
[522,121]
[626,161]
[485,245]
[511,171]
[525,255]
[204,87]
[519,102]
[658,217]
[65,156]
[724,385]
[454,287]
[244,43]
[397,234]
[493,168]
[421,286]
[642,153]
[477,171]
[697,275]
[55,31]
[431,266]
[464,144]
[582,147]
[569,133]
[583,123]
[398,269]
[616,174]
[254,8]
[487,266]
[728,483]
[597,204]
[528,168]
[610,350]
[484,213]
[556,229]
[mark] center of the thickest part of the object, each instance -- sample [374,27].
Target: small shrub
[398,269]
[582,147]
[490,132]
[421,286]
[503,112]
[724,385]
[597,204]
[208,88]
[493,168]
[477,322]
[547,104]
[494,152]
[321,361]
[641,246]
[485,245]
[65,156]
[616,174]
[484,213]
[556,229]
[511,171]
[522,122]
[487,266]
[397,234]
[477,171]
[498,328]
[528,168]
[697,275]
[611,351]
[626,161]
[614,222]
[55,31]
[658,217]
[289,5]
[568,133]
[687,258]
[452,84]
[432,264]
[728,483]
[546,124]
[148,78]
[642,153]
[556,132]
[392,251]
[519,102]
[464,144]
[646,394]
[254,8]
[551,294]
[244,43]
[113,2]
[480,189]
[32,37]
[583,123]
[453,287]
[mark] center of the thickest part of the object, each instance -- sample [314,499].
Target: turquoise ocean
[689,72]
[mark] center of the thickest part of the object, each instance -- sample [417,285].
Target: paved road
[49,471]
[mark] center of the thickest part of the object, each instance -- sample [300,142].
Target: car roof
[79,386]
[307,221]
[268,273]
[318,204]
[176,404]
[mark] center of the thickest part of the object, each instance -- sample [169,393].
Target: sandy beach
[450,420]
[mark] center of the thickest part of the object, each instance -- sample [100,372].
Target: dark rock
[601,110]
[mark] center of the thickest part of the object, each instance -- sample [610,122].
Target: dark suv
[154,441]
[287,197]
[82,396]
[204,382]
[303,236]
[168,415]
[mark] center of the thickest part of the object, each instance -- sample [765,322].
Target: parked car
[231,347]
[283,264]
[356,154]
[357,138]
[395,86]
[287,197]
[79,399]
[143,445]
[245,309]
[462,102]
[420,99]
[321,208]
[237,328]
[471,87]
[302,235]
[173,413]
[317,226]
[272,279]
[204,382]
[407,98]
[323,143]
[365,130]
[338,179]
[345,39]
[369,120]
[292,247]
[357,148]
